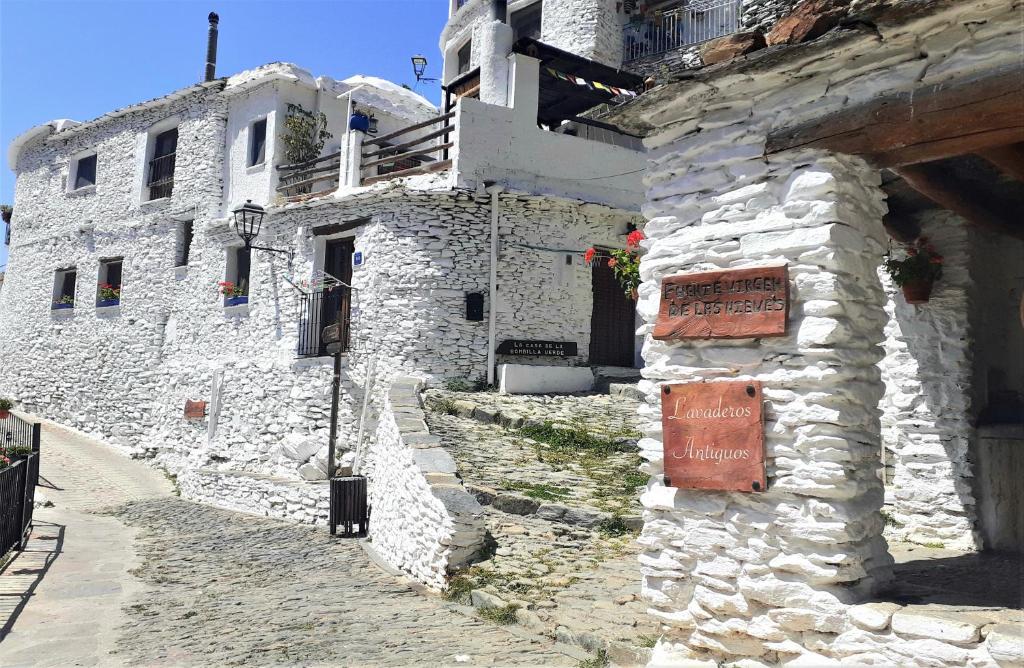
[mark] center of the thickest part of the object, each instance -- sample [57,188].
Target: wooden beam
[977,207]
[370,139]
[395,148]
[406,156]
[422,169]
[927,123]
[1009,159]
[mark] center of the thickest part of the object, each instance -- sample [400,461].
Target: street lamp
[419,66]
[248,220]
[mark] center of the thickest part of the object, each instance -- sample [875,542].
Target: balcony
[305,178]
[421,148]
[689,24]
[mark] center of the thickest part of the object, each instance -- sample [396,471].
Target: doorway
[337,299]
[612,322]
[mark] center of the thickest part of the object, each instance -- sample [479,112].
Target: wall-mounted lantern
[248,220]
[419,67]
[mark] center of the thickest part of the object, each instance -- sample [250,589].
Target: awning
[583,84]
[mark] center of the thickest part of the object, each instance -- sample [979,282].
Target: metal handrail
[691,23]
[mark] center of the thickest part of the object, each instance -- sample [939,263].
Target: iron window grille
[161,167]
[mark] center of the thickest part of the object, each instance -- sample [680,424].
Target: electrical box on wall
[474,306]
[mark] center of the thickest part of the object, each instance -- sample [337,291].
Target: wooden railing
[299,179]
[419,155]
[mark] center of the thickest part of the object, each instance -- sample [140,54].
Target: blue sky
[82,58]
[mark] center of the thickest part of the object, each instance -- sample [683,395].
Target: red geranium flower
[589,255]
[634,238]
[612,262]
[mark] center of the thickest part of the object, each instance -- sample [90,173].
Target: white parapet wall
[423,521]
[534,379]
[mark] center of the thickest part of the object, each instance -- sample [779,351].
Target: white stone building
[457,232]
[902,120]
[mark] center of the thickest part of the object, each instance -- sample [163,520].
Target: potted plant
[624,263]
[110,295]
[917,271]
[66,301]
[233,294]
[5,408]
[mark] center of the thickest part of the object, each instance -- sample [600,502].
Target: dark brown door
[612,328]
[338,298]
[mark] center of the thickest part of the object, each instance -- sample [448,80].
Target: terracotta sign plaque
[195,410]
[730,304]
[714,436]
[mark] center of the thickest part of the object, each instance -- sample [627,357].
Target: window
[526,21]
[64,288]
[464,57]
[257,142]
[161,167]
[236,275]
[85,172]
[183,243]
[108,291]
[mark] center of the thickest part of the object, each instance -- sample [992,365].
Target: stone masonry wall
[926,414]
[424,522]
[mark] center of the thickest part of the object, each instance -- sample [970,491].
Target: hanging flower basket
[624,263]
[916,272]
[917,292]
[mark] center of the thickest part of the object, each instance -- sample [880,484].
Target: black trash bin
[348,506]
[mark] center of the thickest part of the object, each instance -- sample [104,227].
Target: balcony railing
[318,310]
[421,154]
[301,178]
[161,176]
[692,23]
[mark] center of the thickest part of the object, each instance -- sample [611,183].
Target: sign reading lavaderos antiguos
[713,435]
[730,304]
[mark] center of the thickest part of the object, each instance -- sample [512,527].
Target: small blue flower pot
[359,122]
[235,301]
[107,302]
[60,307]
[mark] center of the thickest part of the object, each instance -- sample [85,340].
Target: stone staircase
[562,558]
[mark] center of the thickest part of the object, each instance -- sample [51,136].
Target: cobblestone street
[140,577]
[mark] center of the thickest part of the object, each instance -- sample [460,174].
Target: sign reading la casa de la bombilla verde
[713,435]
[730,304]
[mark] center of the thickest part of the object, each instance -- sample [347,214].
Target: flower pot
[359,122]
[107,302]
[58,307]
[917,292]
[4,414]
[235,301]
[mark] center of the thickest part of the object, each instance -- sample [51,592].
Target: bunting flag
[592,85]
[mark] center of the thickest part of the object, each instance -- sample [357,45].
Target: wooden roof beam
[1009,159]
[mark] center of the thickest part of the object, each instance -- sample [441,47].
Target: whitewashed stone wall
[927,417]
[424,522]
[589,28]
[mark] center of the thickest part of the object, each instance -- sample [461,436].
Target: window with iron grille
[257,142]
[465,56]
[161,167]
[85,172]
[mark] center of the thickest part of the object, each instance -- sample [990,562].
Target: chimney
[499,10]
[211,48]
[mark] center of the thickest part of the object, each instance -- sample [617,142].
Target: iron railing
[318,310]
[18,481]
[161,176]
[694,22]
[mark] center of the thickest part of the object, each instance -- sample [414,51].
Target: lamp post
[419,67]
[248,220]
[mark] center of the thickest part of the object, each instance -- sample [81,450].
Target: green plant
[445,406]
[646,641]
[65,299]
[624,263]
[229,289]
[503,615]
[464,385]
[572,439]
[599,660]
[613,526]
[458,591]
[921,264]
[6,212]
[6,404]
[542,491]
[110,292]
[305,134]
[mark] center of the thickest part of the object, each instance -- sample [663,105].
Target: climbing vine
[306,133]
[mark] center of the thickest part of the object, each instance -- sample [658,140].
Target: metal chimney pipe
[211,48]
[499,10]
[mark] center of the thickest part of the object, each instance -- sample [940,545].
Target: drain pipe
[495,191]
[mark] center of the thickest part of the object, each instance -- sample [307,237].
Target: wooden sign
[730,304]
[332,333]
[538,348]
[195,410]
[713,436]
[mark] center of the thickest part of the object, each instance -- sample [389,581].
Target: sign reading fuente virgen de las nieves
[713,432]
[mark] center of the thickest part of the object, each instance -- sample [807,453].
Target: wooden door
[612,323]
[338,298]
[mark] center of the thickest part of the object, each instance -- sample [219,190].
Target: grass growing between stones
[541,492]
[599,660]
[504,615]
